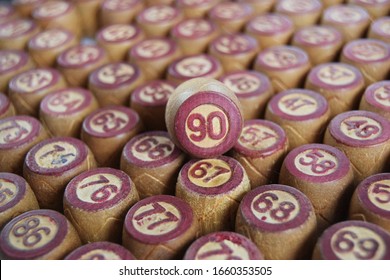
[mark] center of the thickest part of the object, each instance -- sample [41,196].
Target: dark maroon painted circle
[348,53]
[313,76]
[251,43]
[70,195]
[286,24]
[13,253]
[220,237]
[81,155]
[362,194]
[100,34]
[300,54]
[23,60]
[141,18]
[322,105]
[339,136]
[236,178]
[136,55]
[186,213]
[175,31]
[32,26]
[299,38]
[265,83]
[341,171]
[130,158]
[63,62]
[56,76]
[304,204]
[95,81]
[133,116]
[279,145]
[325,245]
[32,44]
[117,249]
[4,103]
[174,72]
[21,189]
[369,94]
[220,101]
[36,128]
[86,101]
[136,95]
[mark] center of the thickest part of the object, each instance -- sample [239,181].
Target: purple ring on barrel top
[80,253]
[141,18]
[192,4]
[371,90]
[348,51]
[278,145]
[251,43]
[305,208]
[299,37]
[33,43]
[321,106]
[14,253]
[172,47]
[22,56]
[363,194]
[314,79]
[342,168]
[328,14]
[21,189]
[174,72]
[54,73]
[265,83]
[101,33]
[280,8]
[245,11]
[175,31]
[325,240]
[4,103]
[336,133]
[6,10]
[80,156]
[184,221]
[37,12]
[127,80]
[219,237]
[35,125]
[284,24]
[122,5]
[71,195]
[133,117]
[136,95]
[222,102]
[62,60]
[87,98]
[8,24]
[376,26]
[132,159]
[300,55]
[237,175]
